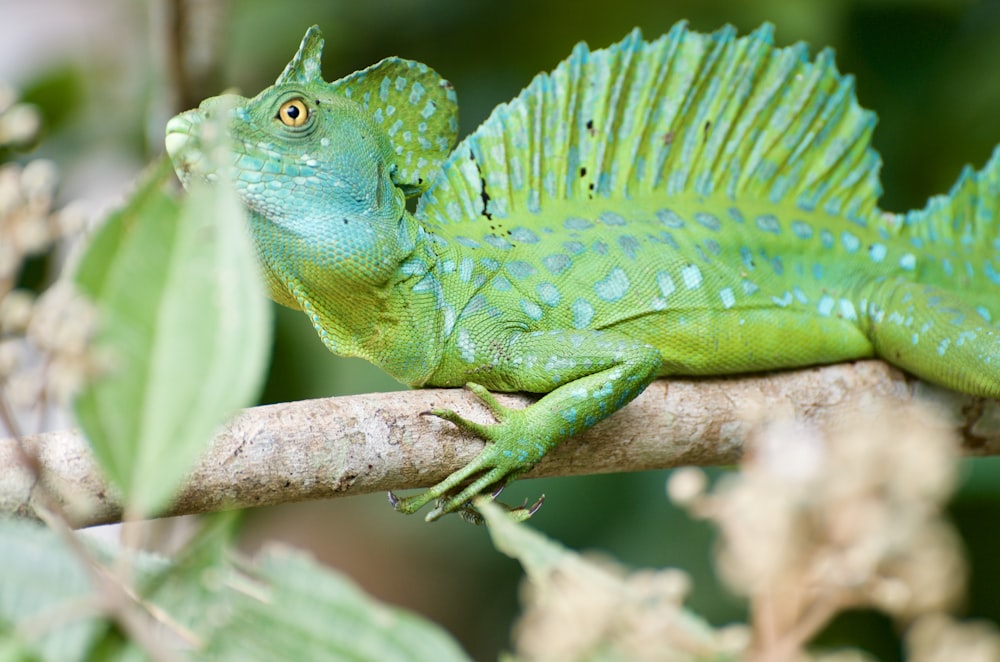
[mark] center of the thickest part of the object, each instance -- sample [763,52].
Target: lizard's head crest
[410,101]
[306,66]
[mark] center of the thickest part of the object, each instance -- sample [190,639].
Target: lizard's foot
[510,454]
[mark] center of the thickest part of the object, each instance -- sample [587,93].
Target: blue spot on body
[519,269]
[965,335]
[670,218]
[736,214]
[707,220]
[991,273]
[747,256]
[847,310]
[802,230]
[908,262]
[613,287]
[531,309]
[556,263]
[629,245]
[850,241]
[574,247]
[428,283]
[727,297]
[877,252]
[769,223]
[465,269]
[468,243]
[524,235]
[611,218]
[665,283]
[413,267]
[476,303]
[548,293]
[501,284]
[497,242]
[784,300]
[713,247]
[577,223]
[583,313]
[691,275]
[825,306]
[826,238]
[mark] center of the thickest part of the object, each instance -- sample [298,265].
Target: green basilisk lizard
[701,204]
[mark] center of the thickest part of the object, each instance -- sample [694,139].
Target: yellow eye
[293,113]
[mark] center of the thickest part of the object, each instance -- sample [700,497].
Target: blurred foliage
[928,67]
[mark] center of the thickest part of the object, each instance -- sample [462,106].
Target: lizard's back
[714,197]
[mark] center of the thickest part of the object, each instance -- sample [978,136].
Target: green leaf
[44,593]
[186,325]
[283,606]
[295,609]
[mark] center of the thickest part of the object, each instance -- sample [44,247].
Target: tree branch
[317,449]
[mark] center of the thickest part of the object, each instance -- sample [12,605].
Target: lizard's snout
[179,133]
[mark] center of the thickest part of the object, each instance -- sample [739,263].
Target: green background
[931,69]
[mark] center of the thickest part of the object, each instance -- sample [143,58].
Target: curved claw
[535,507]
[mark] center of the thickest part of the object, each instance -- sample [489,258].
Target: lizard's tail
[958,237]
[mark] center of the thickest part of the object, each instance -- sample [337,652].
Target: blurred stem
[192,35]
[176,22]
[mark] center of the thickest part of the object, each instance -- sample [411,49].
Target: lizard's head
[303,144]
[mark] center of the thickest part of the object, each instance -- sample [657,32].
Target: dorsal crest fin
[689,113]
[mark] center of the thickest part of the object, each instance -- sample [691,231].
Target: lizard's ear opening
[418,111]
[305,66]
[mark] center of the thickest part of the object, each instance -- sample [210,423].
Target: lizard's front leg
[587,375]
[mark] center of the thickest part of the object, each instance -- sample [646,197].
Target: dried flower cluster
[595,610]
[818,521]
[43,339]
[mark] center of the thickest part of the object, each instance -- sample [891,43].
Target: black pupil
[292,111]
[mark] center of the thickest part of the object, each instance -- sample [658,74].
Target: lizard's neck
[358,280]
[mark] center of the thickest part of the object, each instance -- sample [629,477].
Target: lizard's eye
[293,113]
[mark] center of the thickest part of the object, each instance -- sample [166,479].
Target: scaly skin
[697,205]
